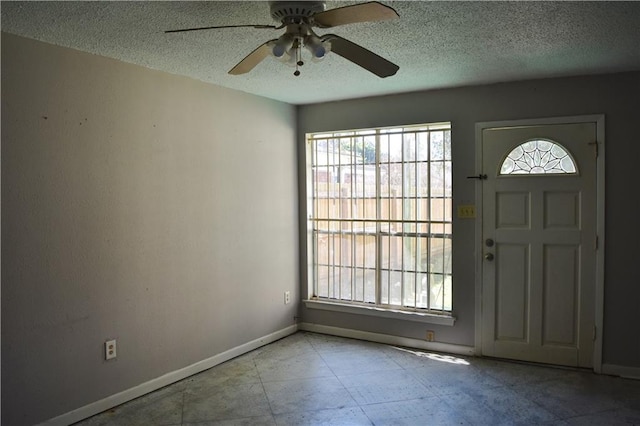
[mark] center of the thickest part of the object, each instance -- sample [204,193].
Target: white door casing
[540,289]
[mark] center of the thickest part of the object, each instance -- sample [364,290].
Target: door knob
[489,242]
[489,256]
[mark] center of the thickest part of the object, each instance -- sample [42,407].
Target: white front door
[539,243]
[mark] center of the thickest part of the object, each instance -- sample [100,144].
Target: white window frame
[412,313]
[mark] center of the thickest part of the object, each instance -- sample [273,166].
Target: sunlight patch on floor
[435,357]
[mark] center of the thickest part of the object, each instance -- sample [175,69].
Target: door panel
[562,210]
[512,210]
[539,272]
[512,290]
[560,310]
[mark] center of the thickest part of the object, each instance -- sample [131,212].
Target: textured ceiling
[436,44]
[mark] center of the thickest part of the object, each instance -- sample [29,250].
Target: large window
[381,217]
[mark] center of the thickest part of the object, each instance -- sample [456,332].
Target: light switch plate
[467,211]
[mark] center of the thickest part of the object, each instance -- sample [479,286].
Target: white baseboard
[162,381]
[622,371]
[388,339]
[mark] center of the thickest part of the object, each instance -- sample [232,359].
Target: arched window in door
[537,157]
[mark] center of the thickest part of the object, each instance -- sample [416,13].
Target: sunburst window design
[537,157]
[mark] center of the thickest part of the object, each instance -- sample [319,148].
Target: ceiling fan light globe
[282,45]
[315,45]
[317,52]
[278,51]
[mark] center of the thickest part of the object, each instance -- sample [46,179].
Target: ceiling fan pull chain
[299,63]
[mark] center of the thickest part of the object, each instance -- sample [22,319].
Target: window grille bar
[428,274]
[415,217]
[392,203]
[378,237]
[404,216]
[322,219]
[340,208]
[406,131]
[314,208]
[397,270]
[331,285]
[330,237]
[364,215]
[353,205]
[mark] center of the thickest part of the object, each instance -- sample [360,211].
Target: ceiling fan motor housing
[295,11]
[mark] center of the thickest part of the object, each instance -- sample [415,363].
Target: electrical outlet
[110,349]
[287,297]
[431,336]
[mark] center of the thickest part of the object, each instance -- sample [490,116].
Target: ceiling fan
[298,18]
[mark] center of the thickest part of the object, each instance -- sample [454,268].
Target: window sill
[380,312]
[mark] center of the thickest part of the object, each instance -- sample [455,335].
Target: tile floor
[313,379]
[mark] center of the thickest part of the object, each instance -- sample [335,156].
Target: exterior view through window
[381,217]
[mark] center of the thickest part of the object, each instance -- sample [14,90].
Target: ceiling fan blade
[253,58]
[363,12]
[220,26]
[361,56]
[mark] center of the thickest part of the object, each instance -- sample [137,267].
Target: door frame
[598,119]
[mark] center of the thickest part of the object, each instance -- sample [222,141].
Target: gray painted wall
[615,95]
[136,205]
